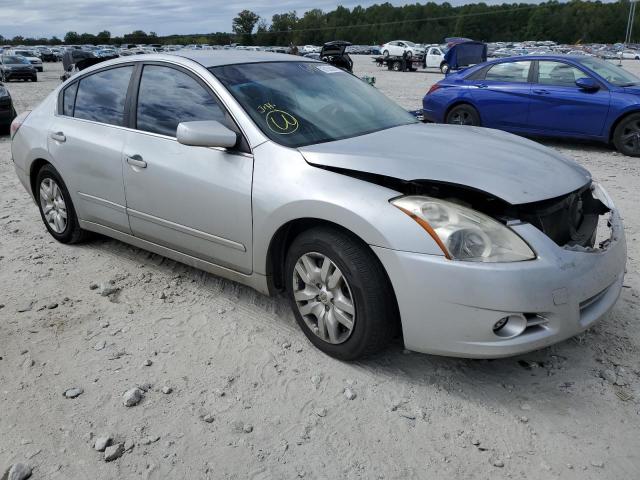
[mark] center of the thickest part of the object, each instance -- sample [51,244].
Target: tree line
[576,21]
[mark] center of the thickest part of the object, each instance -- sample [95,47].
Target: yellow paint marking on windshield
[281,122]
[278,121]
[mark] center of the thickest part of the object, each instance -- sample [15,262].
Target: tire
[71,233]
[463,114]
[444,67]
[363,282]
[626,136]
[385,54]
[397,66]
[409,54]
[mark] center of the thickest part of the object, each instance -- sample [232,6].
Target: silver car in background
[290,175]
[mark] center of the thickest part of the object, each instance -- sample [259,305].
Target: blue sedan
[543,95]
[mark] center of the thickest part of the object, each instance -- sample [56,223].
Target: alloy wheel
[461,117]
[323,297]
[53,205]
[630,137]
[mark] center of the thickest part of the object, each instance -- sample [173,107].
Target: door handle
[482,85]
[136,161]
[59,137]
[540,91]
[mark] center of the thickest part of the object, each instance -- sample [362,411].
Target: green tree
[71,38]
[104,37]
[243,25]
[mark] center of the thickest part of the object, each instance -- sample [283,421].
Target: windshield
[299,103]
[13,59]
[610,72]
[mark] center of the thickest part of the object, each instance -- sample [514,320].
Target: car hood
[506,166]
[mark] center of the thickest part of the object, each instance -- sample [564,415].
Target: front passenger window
[559,74]
[168,97]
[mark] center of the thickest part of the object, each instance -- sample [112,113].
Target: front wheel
[56,208]
[444,67]
[385,54]
[463,115]
[340,294]
[626,136]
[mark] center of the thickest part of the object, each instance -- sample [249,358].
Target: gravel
[199,350]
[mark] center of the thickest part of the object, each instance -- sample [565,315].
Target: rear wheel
[444,67]
[56,208]
[397,66]
[626,136]
[463,114]
[385,54]
[339,293]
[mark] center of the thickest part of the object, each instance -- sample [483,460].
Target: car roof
[216,58]
[524,58]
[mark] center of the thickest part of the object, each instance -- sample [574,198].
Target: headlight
[463,233]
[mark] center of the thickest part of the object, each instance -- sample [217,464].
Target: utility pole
[630,20]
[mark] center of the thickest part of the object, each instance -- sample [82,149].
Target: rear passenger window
[168,96]
[69,99]
[101,96]
[509,72]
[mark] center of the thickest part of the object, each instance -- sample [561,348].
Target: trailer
[395,62]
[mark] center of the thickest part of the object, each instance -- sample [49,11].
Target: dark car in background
[15,67]
[7,110]
[543,95]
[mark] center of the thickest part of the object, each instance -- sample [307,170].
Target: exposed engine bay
[570,220]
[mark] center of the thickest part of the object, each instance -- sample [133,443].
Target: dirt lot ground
[251,398]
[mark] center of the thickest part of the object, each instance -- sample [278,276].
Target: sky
[45,18]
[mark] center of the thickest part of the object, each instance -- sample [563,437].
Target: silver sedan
[291,175]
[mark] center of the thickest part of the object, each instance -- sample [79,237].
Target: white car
[435,59]
[398,47]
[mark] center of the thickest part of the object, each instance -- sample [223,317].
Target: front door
[434,57]
[195,200]
[559,106]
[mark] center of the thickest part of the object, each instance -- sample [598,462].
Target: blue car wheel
[463,114]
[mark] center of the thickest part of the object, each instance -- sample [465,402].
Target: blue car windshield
[611,73]
[303,103]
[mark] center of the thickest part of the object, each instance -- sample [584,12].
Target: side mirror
[588,84]
[208,133]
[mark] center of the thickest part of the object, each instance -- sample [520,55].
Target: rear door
[501,94]
[559,106]
[86,138]
[195,200]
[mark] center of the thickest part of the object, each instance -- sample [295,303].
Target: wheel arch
[284,236]
[287,233]
[34,168]
[617,121]
[458,102]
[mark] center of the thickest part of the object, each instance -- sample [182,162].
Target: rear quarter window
[69,99]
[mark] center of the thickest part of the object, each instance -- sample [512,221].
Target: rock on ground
[17,471]
[113,452]
[132,397]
